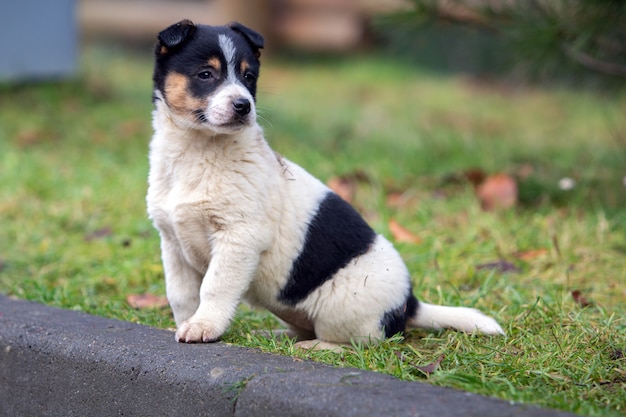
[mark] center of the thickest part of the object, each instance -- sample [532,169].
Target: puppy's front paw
[196,332]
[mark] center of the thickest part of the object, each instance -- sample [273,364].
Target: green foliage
[73,164]
[554,38]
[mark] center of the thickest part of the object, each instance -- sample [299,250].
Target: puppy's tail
[465,319]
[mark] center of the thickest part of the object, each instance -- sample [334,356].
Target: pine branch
[587,32]
[587,61]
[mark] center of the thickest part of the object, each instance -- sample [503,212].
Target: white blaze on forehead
[229,50]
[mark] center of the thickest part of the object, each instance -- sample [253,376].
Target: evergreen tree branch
[595,64]
[590,33]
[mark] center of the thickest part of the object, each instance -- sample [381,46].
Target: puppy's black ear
[255,39]
[174,36]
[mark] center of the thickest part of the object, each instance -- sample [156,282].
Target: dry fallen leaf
[617,354]
[400,234]
[501,266]
[529,255]
[398,199]
[34,136]
[580,299]
[101,233]
[344,187]
[498,191]
[524,172]
[146,301]
[431,367]
[474,175]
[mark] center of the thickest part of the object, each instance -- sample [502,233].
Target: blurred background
[511,37]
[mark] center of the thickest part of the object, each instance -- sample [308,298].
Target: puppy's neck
[167,125]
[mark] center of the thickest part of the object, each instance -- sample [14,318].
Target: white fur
[460,318]
[219,112]
[351,305]
[233,216]
[229,50]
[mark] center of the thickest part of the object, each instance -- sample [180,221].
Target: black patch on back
[336,235]
[394,321]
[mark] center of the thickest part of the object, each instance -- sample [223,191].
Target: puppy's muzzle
[242,106]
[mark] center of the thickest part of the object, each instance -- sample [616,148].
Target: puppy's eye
[249,77]
[205,75]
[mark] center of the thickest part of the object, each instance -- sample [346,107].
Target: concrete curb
[56,362]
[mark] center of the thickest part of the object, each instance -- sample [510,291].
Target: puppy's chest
[192,200]
[201,192]
[226,174]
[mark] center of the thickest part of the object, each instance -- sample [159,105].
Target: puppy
[239,222]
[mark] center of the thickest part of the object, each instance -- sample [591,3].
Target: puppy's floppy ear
[255,39]
[174,36]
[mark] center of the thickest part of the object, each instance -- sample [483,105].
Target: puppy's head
[207,75]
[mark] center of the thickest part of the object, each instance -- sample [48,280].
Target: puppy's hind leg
[292,332]
[355,342]
[317,344]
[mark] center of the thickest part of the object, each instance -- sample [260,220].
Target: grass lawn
[73,169]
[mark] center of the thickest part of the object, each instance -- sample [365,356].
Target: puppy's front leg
[230,272]
[182,281]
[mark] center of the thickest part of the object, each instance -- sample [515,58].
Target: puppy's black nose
[241,106]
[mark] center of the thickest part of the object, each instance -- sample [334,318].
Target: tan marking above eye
[214,62]
[243,67]
[178,97]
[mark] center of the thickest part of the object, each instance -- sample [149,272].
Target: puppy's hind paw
[196,332]
[316,344]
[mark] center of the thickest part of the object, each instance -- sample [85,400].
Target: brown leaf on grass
[497,192]
[617,354]
[99,234]
[431,367]
[131,128]
[395,200]
[141,301]
[529,255]
[501,266]
[344,187]
[399,199]
[475,176]
[580,299]
[524,171]
[400,234]
[34,136]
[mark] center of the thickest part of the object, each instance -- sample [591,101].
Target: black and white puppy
[239,222]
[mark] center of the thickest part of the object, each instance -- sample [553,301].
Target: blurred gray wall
[38,39]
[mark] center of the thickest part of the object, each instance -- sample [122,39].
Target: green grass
[73,169]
